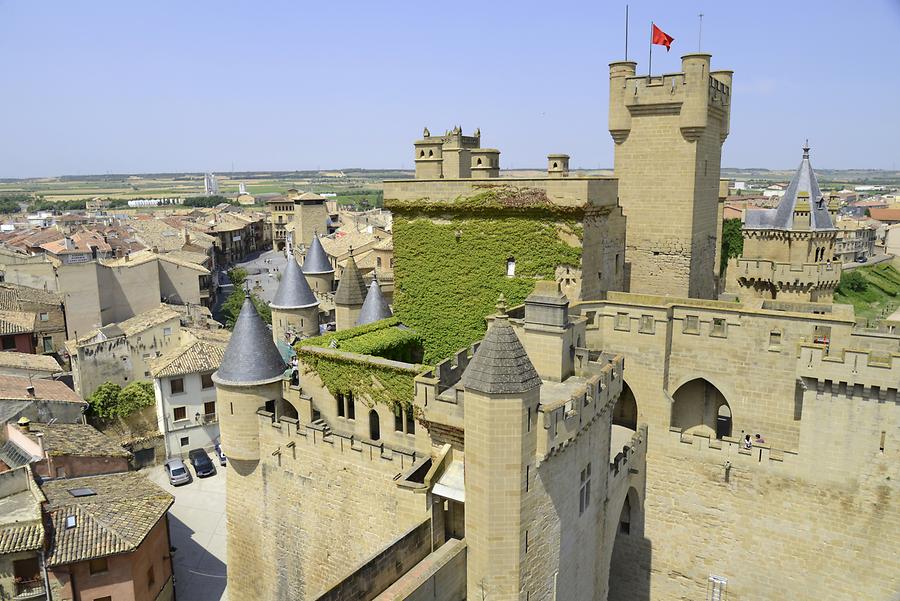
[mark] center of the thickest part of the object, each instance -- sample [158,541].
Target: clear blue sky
[97,87]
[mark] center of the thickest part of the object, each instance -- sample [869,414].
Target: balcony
[29,589]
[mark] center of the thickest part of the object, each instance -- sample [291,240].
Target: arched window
[479,162]
[374,425]
[421,154]
[555,165]
[430,153]
[511,267]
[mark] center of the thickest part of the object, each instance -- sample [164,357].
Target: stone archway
[625,413]
[630,553]
[697,408]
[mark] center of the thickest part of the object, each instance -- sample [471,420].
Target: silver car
[178,472]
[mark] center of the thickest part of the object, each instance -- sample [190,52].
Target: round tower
[295,309]
[502,394]
[317,268]
[349,296]
[249,375]
[375,307]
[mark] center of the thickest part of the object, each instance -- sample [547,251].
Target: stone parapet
[865,370]
[732,451]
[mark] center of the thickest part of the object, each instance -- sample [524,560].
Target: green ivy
[492,199]
[379,339]
[450,272]
[369,382]
[732,243]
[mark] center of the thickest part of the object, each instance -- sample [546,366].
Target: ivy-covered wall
[368,378]
[450,270]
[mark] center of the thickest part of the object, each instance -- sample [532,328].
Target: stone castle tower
[310,216]
[249,376]
[455,156]
[295,309]
[502,393]
[349,296]
[668,132]
[787,250]
[317,268]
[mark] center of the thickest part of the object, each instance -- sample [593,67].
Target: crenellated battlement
[853,372]
[569,408]
[733,451]
[280,439]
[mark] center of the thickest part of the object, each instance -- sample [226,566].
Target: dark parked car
[178,472]
[203,465]
[861,259]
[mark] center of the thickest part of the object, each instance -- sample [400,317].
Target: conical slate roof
[803,191]
[375,307]
[316,260]
[251,356]
[293,290]
[500,365]
[351,289]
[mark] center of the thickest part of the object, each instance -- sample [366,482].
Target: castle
[584,436]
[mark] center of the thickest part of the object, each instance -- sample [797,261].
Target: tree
[104,400]
[237,275]
[852,281]
[135,397]
[732,242]
[231,308]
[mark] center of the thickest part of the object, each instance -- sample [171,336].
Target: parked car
[203,465]
[861,259]
[221,455]
[178,472]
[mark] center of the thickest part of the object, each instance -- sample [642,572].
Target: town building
[123,352]
[17,331]
[281,211]
[22,537]
[28,365]
[39,400]
[855,240]
[108,538]
[48,309]
[186,407]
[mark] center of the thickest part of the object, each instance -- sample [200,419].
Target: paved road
[872,261]
[262,269]
[197,529]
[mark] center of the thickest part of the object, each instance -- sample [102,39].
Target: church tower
[668,132]
[349,296]
[502,393]
[295,309]
[249,375]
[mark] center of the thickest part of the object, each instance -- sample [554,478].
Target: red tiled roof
[885,214]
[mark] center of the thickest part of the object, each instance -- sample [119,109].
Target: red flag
[661,38]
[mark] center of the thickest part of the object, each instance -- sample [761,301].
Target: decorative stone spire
[351,290]
[375,307]
[500,365]
[251,357]
[293,290]
[316,259]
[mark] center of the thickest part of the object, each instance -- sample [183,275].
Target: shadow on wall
[629,567]
[199,575]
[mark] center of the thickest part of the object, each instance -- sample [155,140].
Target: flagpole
[650,62]
[626,32]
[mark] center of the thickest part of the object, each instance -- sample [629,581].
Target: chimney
[30,390]
[40,439]
[155,250]
[24,424]
[558,165]
[127,256]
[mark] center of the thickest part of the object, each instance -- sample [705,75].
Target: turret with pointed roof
[502,395]
[350,296]
[788,250]
[249,375]
[375,307]
[317,268]
[295,308]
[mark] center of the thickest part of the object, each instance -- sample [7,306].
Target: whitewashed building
[185,395]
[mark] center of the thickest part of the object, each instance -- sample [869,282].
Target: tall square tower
[668,132]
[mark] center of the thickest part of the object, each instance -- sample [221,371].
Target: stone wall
[335,502]
[381,570]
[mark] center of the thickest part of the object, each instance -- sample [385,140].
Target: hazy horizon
[106,87]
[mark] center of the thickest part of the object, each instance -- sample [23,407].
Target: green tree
[237,275]
[852,281]
[104,401]
[231,308]
[134,397]
[732,242]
